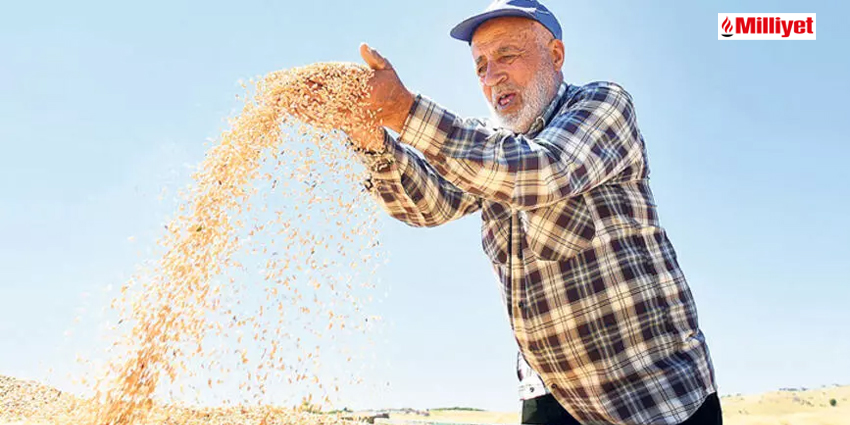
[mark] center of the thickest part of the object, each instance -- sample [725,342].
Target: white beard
[535,97]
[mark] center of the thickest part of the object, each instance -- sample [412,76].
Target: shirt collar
[540,122]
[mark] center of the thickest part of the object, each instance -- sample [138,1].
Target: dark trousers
[546,410]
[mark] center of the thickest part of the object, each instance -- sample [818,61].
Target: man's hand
[389,102]
[389,99]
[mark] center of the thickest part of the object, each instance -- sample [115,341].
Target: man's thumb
[373,58]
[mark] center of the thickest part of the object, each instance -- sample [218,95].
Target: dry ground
[805,407]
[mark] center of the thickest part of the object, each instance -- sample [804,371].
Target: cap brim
[464,30]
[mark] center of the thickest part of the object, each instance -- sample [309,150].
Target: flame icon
[727,27]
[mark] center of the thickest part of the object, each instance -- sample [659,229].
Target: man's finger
[373,58]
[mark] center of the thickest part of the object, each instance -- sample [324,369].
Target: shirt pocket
[559,231]
[495,231]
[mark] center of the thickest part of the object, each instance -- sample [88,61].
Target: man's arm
[410,190]
[593,141]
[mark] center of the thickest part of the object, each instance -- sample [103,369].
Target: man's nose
[494,75]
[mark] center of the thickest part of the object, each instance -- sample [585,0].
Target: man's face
[518,65]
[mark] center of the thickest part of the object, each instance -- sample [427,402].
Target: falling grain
[246,291]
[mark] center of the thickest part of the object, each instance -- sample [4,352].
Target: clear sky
[103,103]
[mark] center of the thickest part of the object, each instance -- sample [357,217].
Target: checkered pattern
[599,306]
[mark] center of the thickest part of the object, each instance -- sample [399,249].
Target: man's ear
[556,49]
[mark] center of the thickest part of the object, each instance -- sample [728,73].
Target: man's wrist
[379,160]
[408,101]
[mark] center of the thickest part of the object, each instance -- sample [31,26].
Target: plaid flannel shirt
[597,301]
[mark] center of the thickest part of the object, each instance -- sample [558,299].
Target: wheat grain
[200,289]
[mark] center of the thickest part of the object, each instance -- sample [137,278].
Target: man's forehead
[503,32]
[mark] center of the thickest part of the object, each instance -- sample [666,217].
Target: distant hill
[461,409]
[788,406]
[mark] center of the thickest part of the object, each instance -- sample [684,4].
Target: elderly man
[601,311]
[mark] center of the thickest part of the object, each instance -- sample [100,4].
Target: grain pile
[261,270]
[27,402]
[26,399]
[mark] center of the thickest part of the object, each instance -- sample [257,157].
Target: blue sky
[103,104]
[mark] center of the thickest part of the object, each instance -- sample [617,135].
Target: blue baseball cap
[531,9]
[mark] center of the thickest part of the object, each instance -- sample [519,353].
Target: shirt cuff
[383,164]
[427,126]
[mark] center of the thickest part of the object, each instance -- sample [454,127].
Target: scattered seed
[171,312]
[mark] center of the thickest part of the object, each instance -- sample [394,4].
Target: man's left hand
[390,100]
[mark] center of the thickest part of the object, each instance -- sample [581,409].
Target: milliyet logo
[766,26]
